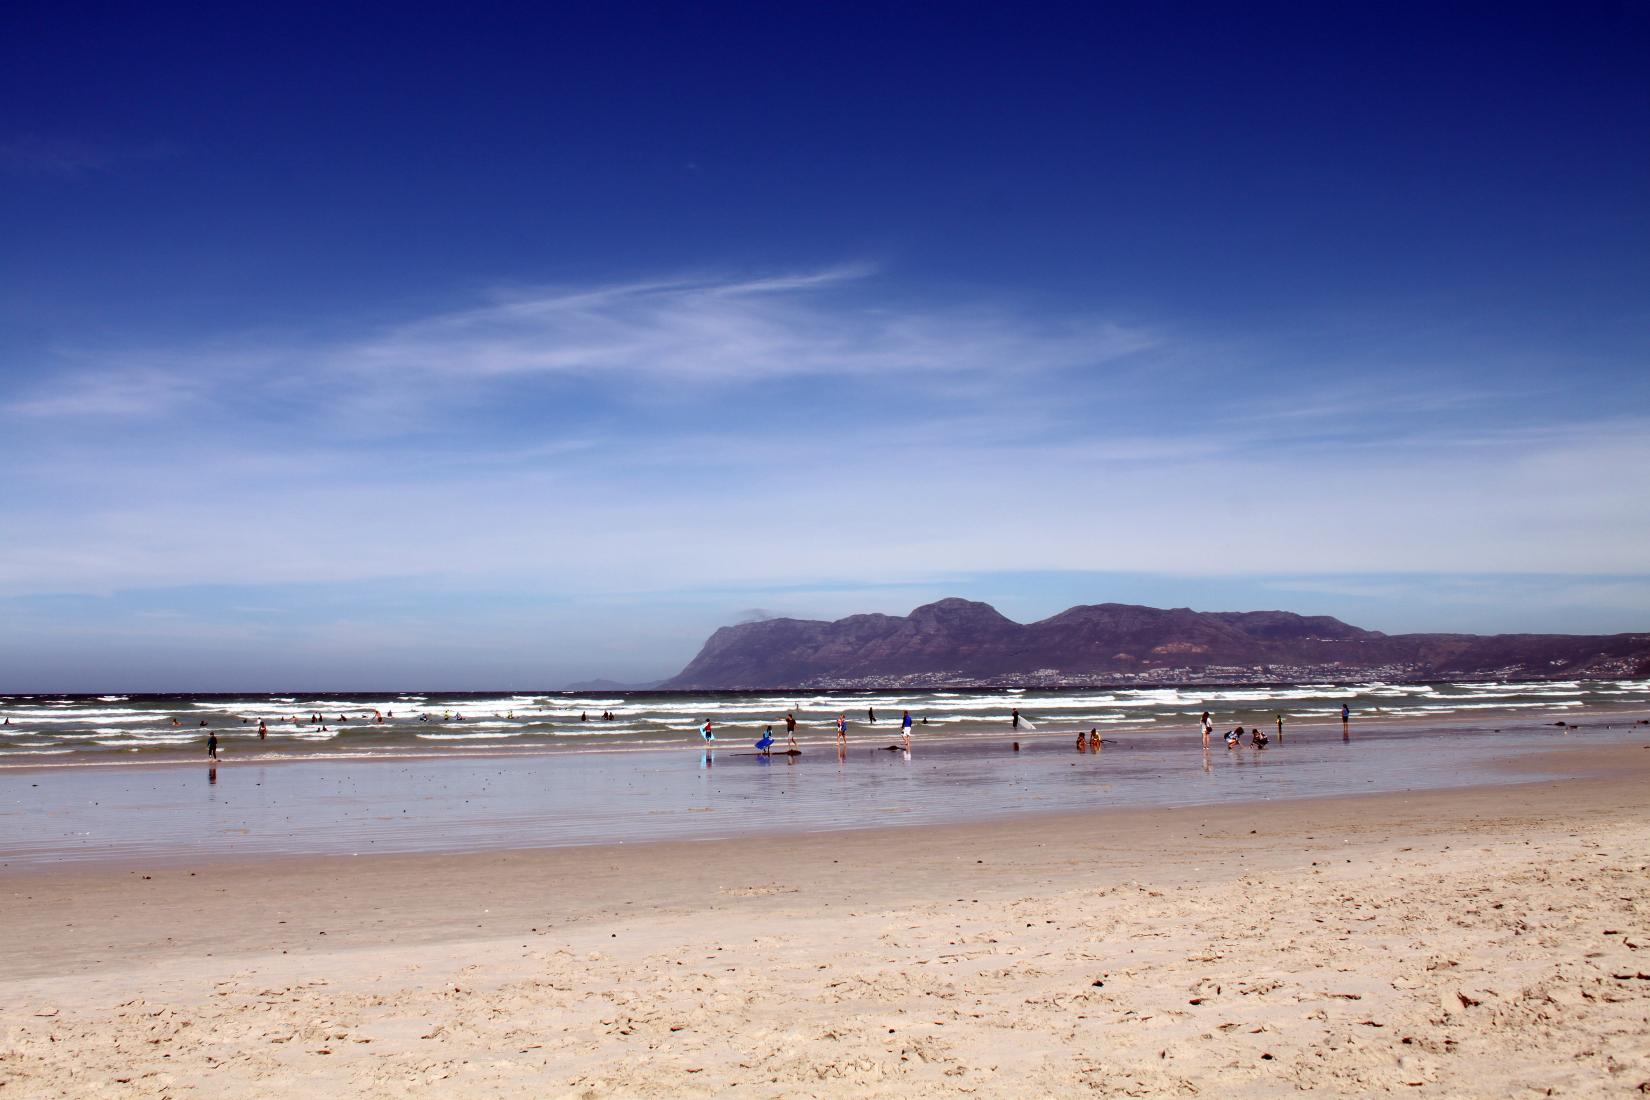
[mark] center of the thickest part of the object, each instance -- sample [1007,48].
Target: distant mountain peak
[958,641]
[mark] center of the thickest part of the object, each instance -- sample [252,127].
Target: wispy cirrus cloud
[714,331]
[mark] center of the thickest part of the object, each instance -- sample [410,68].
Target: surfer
[871,713]
[1016,719]
[707,734]
[766,743]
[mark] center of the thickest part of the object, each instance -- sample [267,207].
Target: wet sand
[1484,941]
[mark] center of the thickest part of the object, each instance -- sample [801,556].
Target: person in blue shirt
[905,729]
[766,743]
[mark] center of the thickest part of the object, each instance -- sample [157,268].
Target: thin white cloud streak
[681,331]
[725,331]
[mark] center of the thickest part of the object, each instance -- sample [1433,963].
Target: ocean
[115,729]
[113,779]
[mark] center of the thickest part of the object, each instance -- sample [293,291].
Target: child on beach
[707,734]
[766,743]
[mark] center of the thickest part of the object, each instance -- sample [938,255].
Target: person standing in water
[212,744]
[871,713]
[1280,729]
[707,734]
[905,729]
[1208,728]
[842,732]
[1016,718]
[1346,714]
[790,727]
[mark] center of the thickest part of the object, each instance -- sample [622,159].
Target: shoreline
[1044,734]
[172,815]
[1336,945]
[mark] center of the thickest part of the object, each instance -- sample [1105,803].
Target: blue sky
[353,347]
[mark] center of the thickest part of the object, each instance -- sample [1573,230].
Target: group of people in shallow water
[765,743]
[1234,737]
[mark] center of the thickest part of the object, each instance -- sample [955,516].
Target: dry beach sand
[1483,942]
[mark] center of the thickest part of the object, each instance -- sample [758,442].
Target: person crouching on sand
[1234,738]
[1257,738]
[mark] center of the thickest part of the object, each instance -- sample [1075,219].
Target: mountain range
[958,642]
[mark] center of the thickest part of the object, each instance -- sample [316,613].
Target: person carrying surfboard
[708,734]
[766,742]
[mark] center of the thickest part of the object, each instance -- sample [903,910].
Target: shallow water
[46,730]
[249,806]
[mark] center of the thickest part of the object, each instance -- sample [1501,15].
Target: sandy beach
[1490,941]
